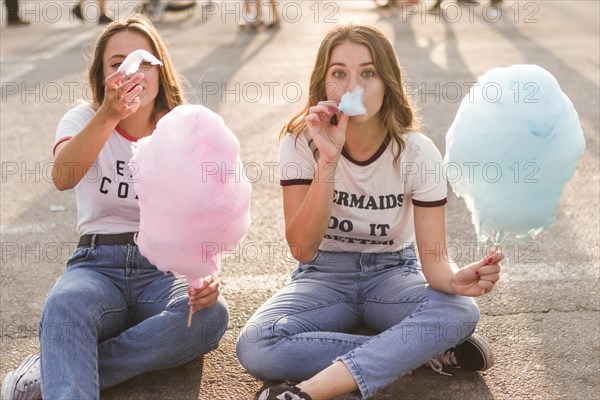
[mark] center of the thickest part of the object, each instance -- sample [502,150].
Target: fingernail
[477,273]
[489,260]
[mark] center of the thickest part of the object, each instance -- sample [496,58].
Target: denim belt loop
[93,244]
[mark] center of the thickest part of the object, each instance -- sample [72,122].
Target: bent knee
[252,348]
[465,313]
[212,321]
[469,309]
[220,311]
[59,305]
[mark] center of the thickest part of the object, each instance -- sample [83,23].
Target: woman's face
[351,65]
[119,46]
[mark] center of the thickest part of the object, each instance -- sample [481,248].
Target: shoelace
[446,358]
[293,394]
[289,396]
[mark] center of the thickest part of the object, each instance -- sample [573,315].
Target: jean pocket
[400,261]
[409,267]
[80,254]
[389,260]
[302,270]
[309,266]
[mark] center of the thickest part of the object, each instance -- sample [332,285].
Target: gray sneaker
[25,382]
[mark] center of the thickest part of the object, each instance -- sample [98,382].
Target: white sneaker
[24,383]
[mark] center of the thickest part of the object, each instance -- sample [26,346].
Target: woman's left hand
[478,278]
[204,296]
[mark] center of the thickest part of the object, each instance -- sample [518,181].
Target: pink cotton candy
[133,61]
[194,198]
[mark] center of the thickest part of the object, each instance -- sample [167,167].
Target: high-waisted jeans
[307,324]
[111,316]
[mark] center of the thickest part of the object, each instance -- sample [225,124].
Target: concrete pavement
[542,320]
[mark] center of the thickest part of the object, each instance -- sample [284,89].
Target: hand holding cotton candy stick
[512,147]
[192,207]
[204,296]
[479,277]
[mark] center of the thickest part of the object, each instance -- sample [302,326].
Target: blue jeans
[111,316]
[307,324]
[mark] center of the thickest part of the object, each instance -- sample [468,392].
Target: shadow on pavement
[213,73]
[569,79]
[183,383]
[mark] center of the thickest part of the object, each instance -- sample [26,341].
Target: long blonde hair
[397,113]
[170,93]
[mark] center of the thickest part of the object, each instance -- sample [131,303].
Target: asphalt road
[542,320]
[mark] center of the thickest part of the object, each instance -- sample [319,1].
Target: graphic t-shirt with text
[106,200]
[373,199]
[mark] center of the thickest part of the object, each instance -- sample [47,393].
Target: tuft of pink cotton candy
[133,61]
[194,198]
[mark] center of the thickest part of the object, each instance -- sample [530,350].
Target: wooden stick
[190,318]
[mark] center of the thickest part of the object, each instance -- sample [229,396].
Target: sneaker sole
[8,386]
[11,380]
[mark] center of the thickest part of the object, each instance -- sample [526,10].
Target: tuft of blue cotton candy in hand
[512,147]
[351,102]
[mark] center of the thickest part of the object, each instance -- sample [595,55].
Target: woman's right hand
[204,296]
[121,95]
[328,138]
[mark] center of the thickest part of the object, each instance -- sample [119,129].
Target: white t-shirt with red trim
[106,199]
[373,199]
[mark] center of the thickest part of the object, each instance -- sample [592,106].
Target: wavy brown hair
[170,93]
[397,113]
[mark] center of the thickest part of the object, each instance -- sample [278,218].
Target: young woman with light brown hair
[358,206]
[113,315]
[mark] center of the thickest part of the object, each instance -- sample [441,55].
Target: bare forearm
[439,275]
[305,230]
[78,154]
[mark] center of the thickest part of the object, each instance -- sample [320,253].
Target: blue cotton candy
[512,147]
[352,104]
